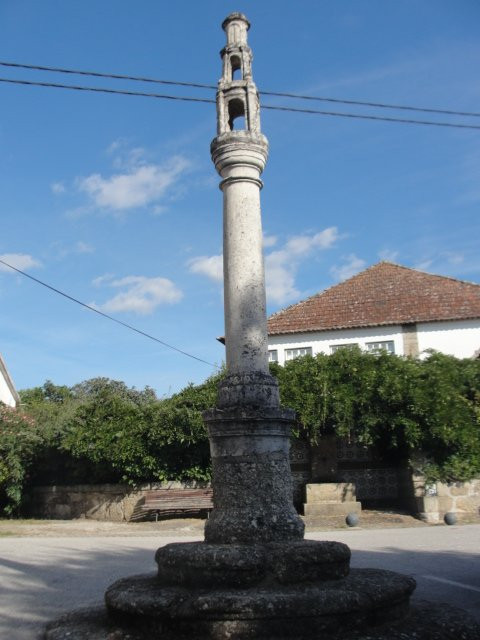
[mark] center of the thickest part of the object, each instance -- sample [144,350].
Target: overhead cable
[163,96]
[123,92]
[297,96]
[105,315]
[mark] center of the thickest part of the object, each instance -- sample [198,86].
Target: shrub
[401,405]
[18,442]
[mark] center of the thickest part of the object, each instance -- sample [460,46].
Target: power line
[123,92]
[379,105]
[369,117]
[105,315]
[114,76]
[163,96]
[117,76]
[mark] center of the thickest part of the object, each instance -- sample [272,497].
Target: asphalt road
[40,578]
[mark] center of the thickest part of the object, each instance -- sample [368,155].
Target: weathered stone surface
[330,491]
[308,561]
[331,508]
[365,597]
[257,390]
[426,621]
[253,501]
[197,564]
[112,502]
[251,476]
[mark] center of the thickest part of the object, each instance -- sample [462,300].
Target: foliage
[18,441]
[103,431]
[400,405]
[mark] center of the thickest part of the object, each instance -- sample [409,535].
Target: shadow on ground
[41,579]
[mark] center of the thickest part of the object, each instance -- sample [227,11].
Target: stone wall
[432,501]
[113,502]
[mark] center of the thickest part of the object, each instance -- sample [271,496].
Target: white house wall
[8,394]
[460,338]
[322,341]
[5,394]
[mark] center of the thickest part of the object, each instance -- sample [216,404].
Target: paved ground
[45,574]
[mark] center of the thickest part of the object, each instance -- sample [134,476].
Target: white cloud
[454,257]
[269,241]
[83,247]
[280,265]
[78,248]
[210,266]
[58,187]
[389,255]
[423,265]
[20,261]
[101,280]
[351,265]
[141,295]
[140,185]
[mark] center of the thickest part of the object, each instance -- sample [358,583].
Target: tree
[18,442]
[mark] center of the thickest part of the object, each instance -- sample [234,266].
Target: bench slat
[165,500]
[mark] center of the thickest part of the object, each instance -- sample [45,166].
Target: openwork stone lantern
[254,577]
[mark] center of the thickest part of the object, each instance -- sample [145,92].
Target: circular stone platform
[277,591]
[425,621]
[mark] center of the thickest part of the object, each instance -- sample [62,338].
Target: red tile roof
[383,294]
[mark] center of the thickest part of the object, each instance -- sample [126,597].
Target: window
[272,355]
[385,345]
[336,347]
[291,354]
[236,114]
[236,68]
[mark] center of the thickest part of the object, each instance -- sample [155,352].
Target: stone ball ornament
[352,520]
[450,518]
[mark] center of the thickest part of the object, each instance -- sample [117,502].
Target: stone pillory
[249,432]
[254,577]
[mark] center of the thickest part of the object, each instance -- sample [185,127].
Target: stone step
[332,491]
[332,508]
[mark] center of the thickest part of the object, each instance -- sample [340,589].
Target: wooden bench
[171,500]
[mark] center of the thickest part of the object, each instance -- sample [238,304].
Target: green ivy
[103,431]
[404,406]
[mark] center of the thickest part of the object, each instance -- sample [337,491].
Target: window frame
[270,353]
[344,345]
[309,352]
[371,349]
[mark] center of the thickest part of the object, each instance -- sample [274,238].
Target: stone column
[249,431]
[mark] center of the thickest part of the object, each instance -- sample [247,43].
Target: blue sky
[115,199]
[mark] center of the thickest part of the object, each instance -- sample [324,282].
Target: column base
[252,486]
[367,605]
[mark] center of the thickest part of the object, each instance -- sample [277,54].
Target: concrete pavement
[40,578]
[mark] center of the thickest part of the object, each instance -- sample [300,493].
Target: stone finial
[237,95]
[236,26]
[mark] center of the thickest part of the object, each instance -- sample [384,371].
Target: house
[386,306]
[8,393]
